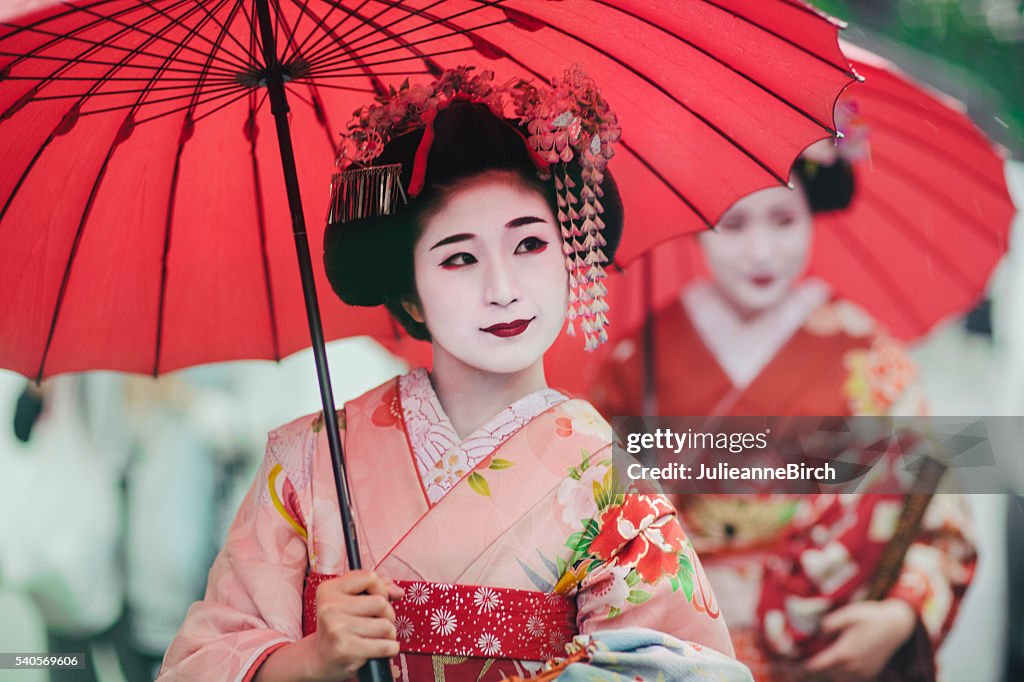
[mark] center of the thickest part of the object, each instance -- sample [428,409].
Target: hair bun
[828,187]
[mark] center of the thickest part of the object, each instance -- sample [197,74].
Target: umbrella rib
[957,123]
[730,67]
[409,12]
[975,222]
[134,91]
[80,231]
[728,138]
[958,275]
[222,90]
[455,30]
[891,285]
[407,45]
[28,169]
[849,72]
[721,133]
[132,52]
[71,259]
[62,36]
[378,85]
[911,134]
[330,33]
[197,96]
[109,79]
[238,62]
[67,61]
[403,44]
[303,7]
[340,74]
[254,33]
[172,196]
[376,28]
[285,28]
[49,79]
[200,88]
[321,117]
[661,178]
[329,86]
[421,56]
[189,125]
[226,31]
[207,114]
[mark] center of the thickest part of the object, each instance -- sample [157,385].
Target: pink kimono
[507,543]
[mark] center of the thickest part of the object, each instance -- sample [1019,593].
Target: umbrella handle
[378,669]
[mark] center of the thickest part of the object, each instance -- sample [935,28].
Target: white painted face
[760,248]
[490,274]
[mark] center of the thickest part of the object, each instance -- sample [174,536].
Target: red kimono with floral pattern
[812,355]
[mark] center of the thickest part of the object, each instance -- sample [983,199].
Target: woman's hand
[352,627]
[354,622]
[868,633]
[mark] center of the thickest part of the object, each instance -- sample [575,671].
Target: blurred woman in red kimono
[482,497]
[758,338]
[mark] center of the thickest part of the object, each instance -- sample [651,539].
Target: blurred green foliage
[983,38]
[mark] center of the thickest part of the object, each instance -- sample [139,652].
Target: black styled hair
[828,188]
[370,261]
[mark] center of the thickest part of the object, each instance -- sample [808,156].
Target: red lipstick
[506,329]
[762,280]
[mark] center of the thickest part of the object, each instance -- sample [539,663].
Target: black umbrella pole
[375,670]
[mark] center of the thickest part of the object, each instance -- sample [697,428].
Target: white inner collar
[441,458]
[743,348]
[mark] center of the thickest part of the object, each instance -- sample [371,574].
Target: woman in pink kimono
[759,339]
[483,498]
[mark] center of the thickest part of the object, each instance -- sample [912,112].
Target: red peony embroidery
[642,533]
[389,412]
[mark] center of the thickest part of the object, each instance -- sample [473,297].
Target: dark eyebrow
[455,238]
[465,236]
[525,220]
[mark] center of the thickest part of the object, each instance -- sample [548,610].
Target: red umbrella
[141,204]
[141,199]
[930,219]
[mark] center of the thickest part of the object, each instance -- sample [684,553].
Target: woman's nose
[761,245]
[500,288]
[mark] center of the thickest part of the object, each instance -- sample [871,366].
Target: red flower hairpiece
[567,122]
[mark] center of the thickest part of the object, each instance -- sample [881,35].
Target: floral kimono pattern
[780,562]
[524,509]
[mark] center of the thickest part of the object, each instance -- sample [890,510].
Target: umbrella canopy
[929,220]
[142,207]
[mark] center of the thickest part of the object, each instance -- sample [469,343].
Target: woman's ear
[413,308]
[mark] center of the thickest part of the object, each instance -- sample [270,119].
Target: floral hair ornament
[852,143]
[566,122]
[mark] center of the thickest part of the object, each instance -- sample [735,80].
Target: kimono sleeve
[940,563]
[642,572]
[938,566]
[253,599]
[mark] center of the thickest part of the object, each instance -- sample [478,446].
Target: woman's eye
[730,225]
[784,220]
[458,260]
[531,245]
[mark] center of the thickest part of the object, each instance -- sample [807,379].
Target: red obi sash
[471,620]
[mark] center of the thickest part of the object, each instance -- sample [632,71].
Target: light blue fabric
[633,654]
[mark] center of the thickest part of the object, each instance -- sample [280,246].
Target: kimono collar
[743,348]
[441,458]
